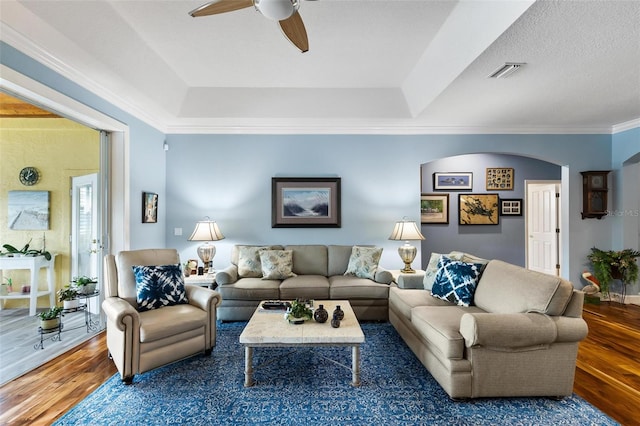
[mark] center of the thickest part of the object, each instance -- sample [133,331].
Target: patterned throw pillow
[363,262]
[456,281]
[158,286]
[432,268]
[276,264]
[249,261]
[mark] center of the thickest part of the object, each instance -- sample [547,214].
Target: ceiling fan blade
[294,30]
[220,6]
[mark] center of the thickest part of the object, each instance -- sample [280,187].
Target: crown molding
[627,125]
[35,52]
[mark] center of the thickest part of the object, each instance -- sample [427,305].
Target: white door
[543,236]
[85,243]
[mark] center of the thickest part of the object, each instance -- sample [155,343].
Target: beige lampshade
[406,230]
[206,230]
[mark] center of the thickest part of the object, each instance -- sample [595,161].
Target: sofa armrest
[570,329]
[121,313]
[228,275]
[507,330]
[383,276]
[203,298]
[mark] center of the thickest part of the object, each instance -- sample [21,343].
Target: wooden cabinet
[594,193]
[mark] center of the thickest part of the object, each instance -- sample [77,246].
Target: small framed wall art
[500,179]
[511,207]
[28,210]
[446,181]
[149,207]
[434,208]
[478,209]
[305,202]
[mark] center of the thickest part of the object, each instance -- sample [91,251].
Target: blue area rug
[303,388]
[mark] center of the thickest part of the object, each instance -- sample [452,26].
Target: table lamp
[206,230]
[406,230]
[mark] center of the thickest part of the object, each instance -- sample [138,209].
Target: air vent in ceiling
[506,70]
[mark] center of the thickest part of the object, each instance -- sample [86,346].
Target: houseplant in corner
[611,264]
[50,318]
[85,285]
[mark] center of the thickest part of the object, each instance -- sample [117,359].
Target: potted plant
[85,285]
[25,251]
[610,264]
[7,288]
[68,295]
[298,312]
[50,318]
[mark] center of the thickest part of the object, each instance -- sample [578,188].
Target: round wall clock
[29,176]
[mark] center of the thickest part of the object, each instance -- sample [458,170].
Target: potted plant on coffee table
[298,313]
[85,285]
[68,295]
[50,318]
[611,264]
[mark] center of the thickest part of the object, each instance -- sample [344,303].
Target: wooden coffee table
[269,329]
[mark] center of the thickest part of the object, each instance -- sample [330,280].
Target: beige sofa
[319,274]
[519,337]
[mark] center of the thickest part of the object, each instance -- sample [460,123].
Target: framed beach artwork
[305,202]
[149,207]
[447,181]
[28,210]
[434,208]
[478,209]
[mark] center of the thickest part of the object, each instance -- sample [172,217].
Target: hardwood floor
[607,373]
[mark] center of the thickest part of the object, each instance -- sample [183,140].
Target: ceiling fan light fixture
[277,10]
[506,70]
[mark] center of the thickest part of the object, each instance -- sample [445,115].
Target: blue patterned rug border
[304,388]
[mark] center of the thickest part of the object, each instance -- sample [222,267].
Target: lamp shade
[406,230]
[277,10]
[206,230]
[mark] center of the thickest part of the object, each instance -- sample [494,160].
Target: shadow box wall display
[305,202]
[478,209]
[500,179]
[434,208]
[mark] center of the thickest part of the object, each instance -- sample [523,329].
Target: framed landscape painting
[447,181]
[478,209]
[434,208]
[305,202]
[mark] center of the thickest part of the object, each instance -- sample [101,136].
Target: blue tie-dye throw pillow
[456,281]
[158,286]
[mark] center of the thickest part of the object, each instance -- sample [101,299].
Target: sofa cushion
[276,264]
[405,300]
[159,286]
[432,268]
[507,288]
[249,265]
[170,321]
[441,327]
[305,287]
[349,287]
[338,259]
[309,259]
[456,281]
[251,289]
[364,261]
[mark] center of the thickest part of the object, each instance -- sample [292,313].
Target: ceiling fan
[283,11]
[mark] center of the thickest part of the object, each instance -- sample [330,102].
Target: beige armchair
[141,341]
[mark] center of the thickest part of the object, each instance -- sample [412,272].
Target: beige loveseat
[319,274]
[519,337]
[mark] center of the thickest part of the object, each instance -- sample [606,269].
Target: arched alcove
[507,239]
